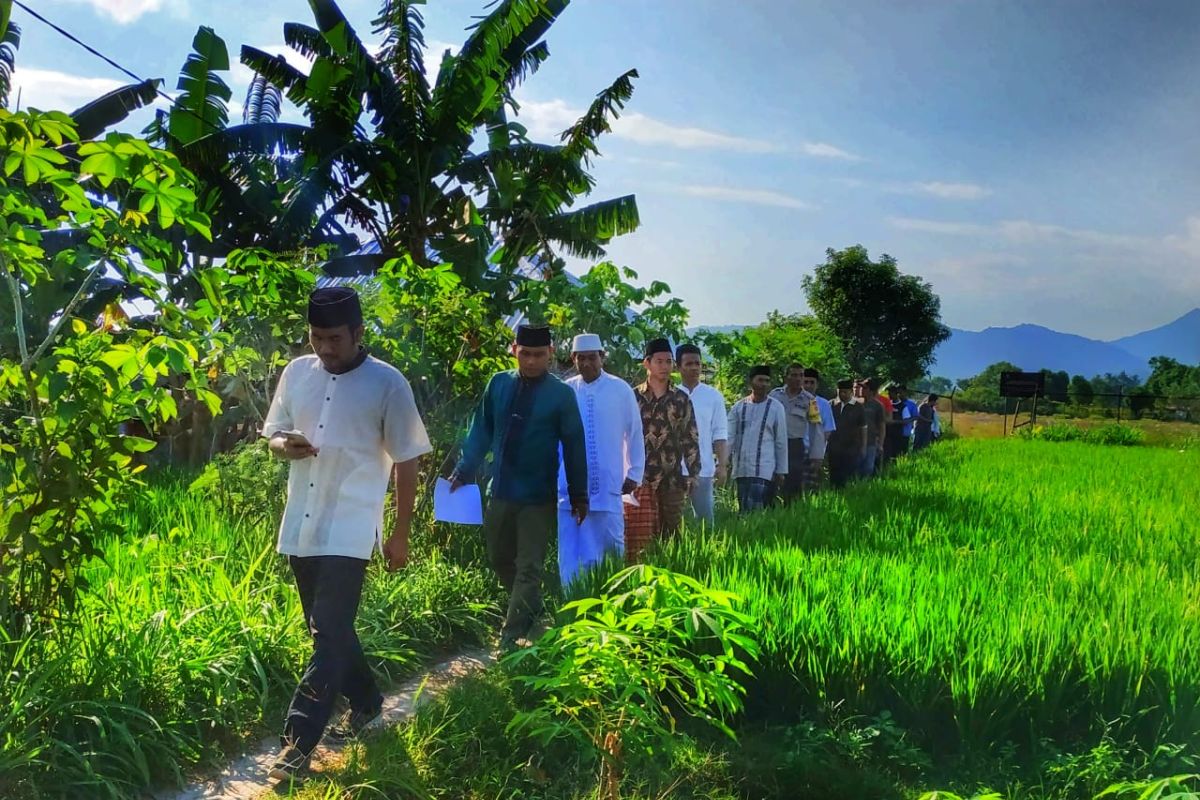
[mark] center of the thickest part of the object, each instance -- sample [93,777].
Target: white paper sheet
[464,507]
[630,500]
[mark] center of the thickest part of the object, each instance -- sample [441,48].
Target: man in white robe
[616,459]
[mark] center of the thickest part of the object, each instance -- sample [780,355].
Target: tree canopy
[889,322]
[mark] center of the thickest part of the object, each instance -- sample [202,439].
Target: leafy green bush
[611,680]
[248,483]
[1124,435]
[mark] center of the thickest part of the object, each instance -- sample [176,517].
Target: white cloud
[939,189]
[546,119]
[1189,242]
[953,191]
[938,226]
[126,11]
[1020,231]
[642,129]
[58,91]
[823,150]
[760,197]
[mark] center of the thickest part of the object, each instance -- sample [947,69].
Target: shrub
[248,483]
[654,644]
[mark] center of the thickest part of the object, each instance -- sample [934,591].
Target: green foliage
[1176,787]
[1122,435]
[72,385]
[1081,391]
[990,591]
[201,108]
[444,336]
[247,483]
[982,392]
[890,323]
[10,40]
[781,340]
[613,677]
[604,301]
[406,174]
[187,646]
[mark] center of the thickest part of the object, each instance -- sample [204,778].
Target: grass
[1013,615]
[1158,433]
[1009,615]
[188,642]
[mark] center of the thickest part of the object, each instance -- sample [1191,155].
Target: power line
[75,39]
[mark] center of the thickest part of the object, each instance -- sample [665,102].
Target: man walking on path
[758,441]
[848,442]
[800,408]
[818,432]
[524,417]
[616,460]
[875,418]
[347,422]
[709,408]
[672,445]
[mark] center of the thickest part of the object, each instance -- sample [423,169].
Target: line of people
[606,467]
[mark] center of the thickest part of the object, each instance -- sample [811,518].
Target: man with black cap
[758,443]
[524,417]
[848,441]
[346,421]
[672,444]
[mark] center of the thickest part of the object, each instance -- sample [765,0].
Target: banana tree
[390,152]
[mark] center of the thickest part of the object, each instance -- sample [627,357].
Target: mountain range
[1033,347]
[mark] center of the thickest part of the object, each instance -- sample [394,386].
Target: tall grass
[189,641]
[991,592]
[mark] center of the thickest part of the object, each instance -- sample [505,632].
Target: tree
[781,340]
[982,392]
[1171,378]
[890,322]
[605,301]
[1057,385]
[1081,391]
[65,460]
[407,174]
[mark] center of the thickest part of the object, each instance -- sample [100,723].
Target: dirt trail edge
[246,778]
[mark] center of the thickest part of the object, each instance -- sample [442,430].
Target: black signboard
[1022,384]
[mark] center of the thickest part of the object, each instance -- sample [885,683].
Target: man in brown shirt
[672,442]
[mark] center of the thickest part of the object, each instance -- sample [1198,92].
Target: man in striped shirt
[758,444]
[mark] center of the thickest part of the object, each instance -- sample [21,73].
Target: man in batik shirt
[672,443]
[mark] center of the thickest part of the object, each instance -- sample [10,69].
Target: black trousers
[793,482]
[844,466]
[330,589]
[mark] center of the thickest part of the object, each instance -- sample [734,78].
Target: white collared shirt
[758,442]
[362,422]
[711,422]
[616,447]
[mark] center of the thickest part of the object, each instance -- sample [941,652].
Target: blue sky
[1035,161]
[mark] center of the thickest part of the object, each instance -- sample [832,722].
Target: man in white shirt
[818,433]
[347,422]
[713,426]
[758,444]
[616,461]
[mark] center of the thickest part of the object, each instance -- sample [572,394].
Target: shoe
[290,763]
[353,723]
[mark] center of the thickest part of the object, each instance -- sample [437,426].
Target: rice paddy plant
[189,640]
[991,592]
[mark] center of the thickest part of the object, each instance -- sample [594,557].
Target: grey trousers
[702,500]
[517,536]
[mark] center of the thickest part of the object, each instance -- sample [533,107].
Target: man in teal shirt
[524,416]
